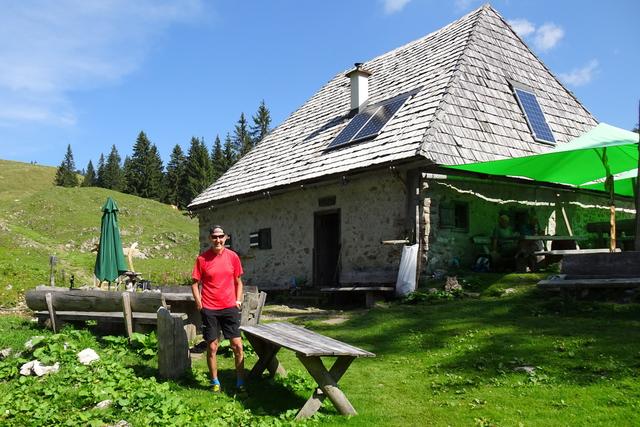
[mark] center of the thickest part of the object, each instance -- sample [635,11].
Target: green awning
[602,151]
[110,262]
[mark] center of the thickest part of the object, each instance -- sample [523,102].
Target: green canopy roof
[110,262]
[603,150]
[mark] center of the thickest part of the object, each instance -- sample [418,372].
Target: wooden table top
[303,341]
[543,237]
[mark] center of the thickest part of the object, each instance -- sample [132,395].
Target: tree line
[185,176]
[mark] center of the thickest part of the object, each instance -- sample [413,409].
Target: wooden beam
[327,384]
[52,312]
[314,402]
[126,313]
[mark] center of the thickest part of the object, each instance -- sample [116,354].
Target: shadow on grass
[488,339]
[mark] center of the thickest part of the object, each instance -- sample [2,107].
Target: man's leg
[212,350]
[238,354]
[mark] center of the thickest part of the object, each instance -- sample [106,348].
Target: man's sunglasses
[217,236]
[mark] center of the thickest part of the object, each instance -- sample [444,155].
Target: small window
[533,114]
[260,239]
[454,215]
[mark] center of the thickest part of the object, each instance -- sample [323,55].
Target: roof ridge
[431,34]
[454,76]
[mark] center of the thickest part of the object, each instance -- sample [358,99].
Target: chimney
[359,86]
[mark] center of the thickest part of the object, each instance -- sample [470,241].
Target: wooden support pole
[126,312]
[52,312]
[266,358]
[314,402]
[327,384]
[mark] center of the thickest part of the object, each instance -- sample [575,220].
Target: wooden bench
[609,270]
[373,284]
[310,347]
[131,308]
[563,252]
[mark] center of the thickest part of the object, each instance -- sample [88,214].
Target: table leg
[328,385]
[266,358]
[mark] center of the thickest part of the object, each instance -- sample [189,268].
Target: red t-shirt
[217,273]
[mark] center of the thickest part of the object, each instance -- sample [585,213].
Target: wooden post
[52,312]
[173,348]
[126,312]
[327,383]
[314,403]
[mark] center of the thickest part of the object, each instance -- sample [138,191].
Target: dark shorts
[226,320]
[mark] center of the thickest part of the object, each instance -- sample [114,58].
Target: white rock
[527,369]
[35,367]
[87,356]
[4,353]
[40,369]
[104,404]
[29,344]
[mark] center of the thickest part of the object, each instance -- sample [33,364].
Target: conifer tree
[100,172]
[143,173]
[229,156]
[241,138]
[199,171]
[217,159]
[66,173]
[261,124]
[113,177]
[175,179]
[89,176]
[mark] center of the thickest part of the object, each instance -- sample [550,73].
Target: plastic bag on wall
[406,282]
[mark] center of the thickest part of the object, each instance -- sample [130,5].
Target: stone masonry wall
[372,208]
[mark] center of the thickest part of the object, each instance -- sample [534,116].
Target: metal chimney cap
[358,69]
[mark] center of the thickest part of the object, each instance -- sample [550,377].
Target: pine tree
[100,172]
[66,173]
[261,123]
[143,174]
[113,177]
[217,159]
[241,138]
[199,171]
[89,176]
[175,179]
[229,155]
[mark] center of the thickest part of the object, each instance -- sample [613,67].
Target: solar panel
[370,121]
[534,115]
[380,118]
[352,129]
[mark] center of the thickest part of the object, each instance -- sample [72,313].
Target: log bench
[371,293]
[131,308]
[310,347]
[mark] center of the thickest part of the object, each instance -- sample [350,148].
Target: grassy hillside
[38,219]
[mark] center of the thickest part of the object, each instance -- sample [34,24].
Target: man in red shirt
[218,270]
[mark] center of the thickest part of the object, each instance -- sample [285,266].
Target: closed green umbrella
[110,262]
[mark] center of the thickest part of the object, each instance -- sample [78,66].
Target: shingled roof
[464,112]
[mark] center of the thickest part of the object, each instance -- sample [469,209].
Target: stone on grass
[527,369]
[29,344]
[37,368]
[104,404]
[4,353]
[87,356]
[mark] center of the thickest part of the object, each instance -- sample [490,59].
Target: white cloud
[50,48]
[581,76]
[547,36]
[522,27]
[393,6]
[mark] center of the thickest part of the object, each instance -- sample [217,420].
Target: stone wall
[486,200]
[372,208]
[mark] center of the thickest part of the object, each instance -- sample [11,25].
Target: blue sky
[95,73]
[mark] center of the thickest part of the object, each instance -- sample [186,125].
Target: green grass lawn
[458,362]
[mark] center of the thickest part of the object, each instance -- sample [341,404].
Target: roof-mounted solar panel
[534,115]
[370,122]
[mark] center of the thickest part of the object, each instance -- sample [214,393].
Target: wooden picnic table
[310,347]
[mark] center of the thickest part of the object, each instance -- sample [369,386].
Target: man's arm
[239,290]
[196,294]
